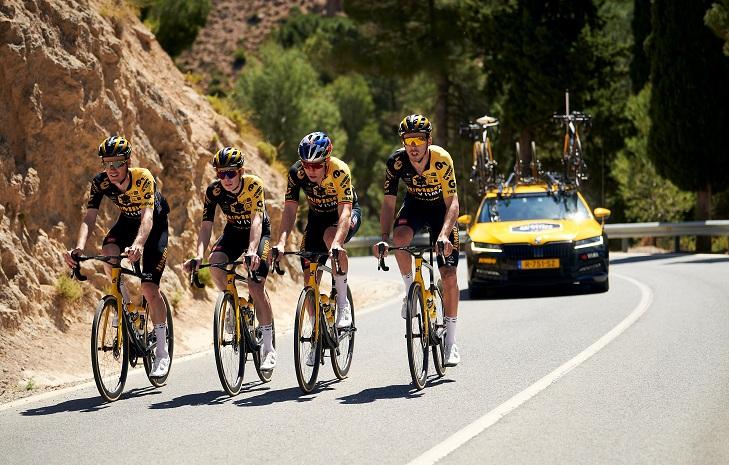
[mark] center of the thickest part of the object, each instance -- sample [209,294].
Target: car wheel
[601,287]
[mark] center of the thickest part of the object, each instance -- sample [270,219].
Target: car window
[533,207]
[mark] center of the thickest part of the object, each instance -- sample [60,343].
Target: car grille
[526,251]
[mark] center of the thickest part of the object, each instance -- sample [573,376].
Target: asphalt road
[637,375]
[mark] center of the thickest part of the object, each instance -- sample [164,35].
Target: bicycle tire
[304,341]
[436,326]
[110,370]
[229,348]
[342,361]
[257,336]
[417,343]
[170,339]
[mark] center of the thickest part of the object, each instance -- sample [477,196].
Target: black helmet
[415,123]
[115,146]
[228,157]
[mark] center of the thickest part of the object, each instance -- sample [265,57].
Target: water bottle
[430,305]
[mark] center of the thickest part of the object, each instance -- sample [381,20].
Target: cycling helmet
[414,123]
[228,157]
[115,146]
[315,147]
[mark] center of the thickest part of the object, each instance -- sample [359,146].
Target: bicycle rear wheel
[342,355]
[109,355]
[437,332]
[151,337]
[229,346]
[307,347]
[257,336]
[417,341]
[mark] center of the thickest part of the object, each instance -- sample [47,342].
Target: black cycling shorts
[234,241]
[154,256]
[417,216]
[317,223]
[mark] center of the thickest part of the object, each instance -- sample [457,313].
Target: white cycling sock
[160,331]
[340,284]
[408,280]
[450,322]
[267,331]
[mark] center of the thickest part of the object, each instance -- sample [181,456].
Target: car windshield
[533,207]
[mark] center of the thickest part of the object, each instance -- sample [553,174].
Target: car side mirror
[464,220]
[602,214]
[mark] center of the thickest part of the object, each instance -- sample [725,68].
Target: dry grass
[68,289]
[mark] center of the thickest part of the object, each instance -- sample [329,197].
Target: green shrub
[205,277]
[176,23]
[68,288]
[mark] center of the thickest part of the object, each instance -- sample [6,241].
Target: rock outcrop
[71,73]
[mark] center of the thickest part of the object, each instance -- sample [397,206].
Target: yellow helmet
[228,157]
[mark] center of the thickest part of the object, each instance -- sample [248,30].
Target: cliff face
[73,72]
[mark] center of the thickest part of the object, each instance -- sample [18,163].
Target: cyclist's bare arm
[255,239]
[87,224]
[203,239]
[449,221]
[287,221]
[387,217]
[345,217]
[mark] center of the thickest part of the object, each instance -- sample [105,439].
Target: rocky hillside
[73,72]
[240,25]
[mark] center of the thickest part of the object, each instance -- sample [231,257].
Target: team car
[536,234]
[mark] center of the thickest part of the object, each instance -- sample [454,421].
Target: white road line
[458,439]
[177,362]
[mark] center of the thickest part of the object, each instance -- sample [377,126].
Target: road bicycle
[315,329]
[424,322]
[235,328]
[122,333]
[573,162]
[483,170]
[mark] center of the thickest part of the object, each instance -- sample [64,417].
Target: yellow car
[536,234]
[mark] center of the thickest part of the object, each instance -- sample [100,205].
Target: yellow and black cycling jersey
[238,207]
[437,182]
[335,188]
[142,193]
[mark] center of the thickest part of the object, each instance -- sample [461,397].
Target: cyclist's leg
[228,247]
[119,237]
[258,290]
[408,222]
[340,281]
[451,295]
[313,240]
[154,260]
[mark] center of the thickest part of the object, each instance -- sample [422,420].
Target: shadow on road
[530,292]
[215,397]
[394,391]
[646,258]
[88,404]
[293,394]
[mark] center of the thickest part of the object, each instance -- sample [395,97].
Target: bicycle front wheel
[109,354]
[342,354]
[307,346]
[152,344]
[417,340]
[229,345]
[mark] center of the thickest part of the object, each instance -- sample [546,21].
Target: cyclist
[431,199]
[334,212]
[248,229]
[140,231]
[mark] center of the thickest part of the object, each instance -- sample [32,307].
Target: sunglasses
[116,164]
[227,174]
[312,166]
[414,140]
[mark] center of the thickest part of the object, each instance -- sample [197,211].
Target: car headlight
[589,242]
[482,247]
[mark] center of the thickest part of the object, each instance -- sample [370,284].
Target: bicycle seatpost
[381,251]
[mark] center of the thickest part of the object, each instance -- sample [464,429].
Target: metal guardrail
[614,231]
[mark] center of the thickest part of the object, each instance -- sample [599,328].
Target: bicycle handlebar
[76,271]
[195,280]
[306,255]
[414,250]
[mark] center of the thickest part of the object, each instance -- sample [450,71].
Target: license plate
[538,264]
